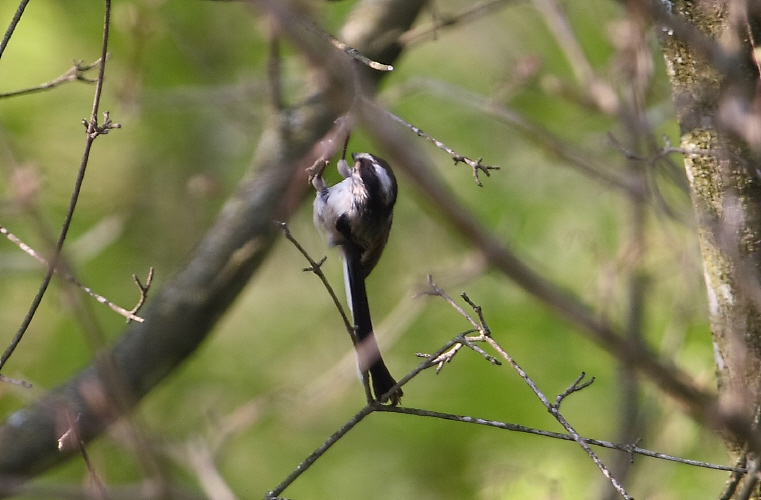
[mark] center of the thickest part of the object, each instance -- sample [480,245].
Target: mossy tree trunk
[709,55]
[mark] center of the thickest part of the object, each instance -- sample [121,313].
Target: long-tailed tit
[356,215]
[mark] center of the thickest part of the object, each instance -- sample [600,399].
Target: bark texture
[714,79]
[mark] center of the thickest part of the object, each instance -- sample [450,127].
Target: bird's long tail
[368,352]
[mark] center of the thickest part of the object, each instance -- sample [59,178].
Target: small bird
[356,215]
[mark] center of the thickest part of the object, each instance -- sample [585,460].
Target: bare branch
[316,268]
[575,387]
[12,27]
[555,412]
[92,132]
[343,47]
[75,73]
[629,449]
[303,466]
[470,14]
[130,315]
[476,165]
[553,144]
[554,409]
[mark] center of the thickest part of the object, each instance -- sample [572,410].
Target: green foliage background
[187,82]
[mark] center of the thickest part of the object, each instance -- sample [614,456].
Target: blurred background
[187,82]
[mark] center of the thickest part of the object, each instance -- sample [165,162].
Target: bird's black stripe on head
[380,200]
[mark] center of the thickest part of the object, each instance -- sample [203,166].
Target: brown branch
[182,313]
[698,401]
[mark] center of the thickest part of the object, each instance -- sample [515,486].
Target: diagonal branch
[697,401]
[182,313]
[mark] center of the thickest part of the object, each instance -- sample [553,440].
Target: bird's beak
[354,156]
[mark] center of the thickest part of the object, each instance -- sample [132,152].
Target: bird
[355,215]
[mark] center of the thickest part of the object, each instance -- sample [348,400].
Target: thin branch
[601,93]
[303,466]
[575,387]
[552,143]
[553,409]
[130,315]
[343,47]
[666,150]
[12,27]
[751,481]
[22,383]
[472,13]
[476,165]
[75,73]
[434,289]
[316,268]
[72,439]
[201,460]
[626,448]
[700,402]
[93,130]
[143,292]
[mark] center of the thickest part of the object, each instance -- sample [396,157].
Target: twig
[666,150]
[303,466]
[201,460]
[554,409]
[75,73]
[481,327]
[22,383]
[350,51]
[472,13]
[476,165]
[130,315]
[575,387]
[369,408]
[316,268]
[477,309]
[93,131]
[739,472]
[143,293]
[70,439]
[434,289]
[601,93]
[12,26]
[553,144]
[439,360]
[631,449]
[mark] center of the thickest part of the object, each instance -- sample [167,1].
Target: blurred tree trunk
[709,56]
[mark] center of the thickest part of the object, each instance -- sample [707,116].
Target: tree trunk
[708,46]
